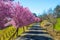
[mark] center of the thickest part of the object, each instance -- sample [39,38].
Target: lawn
[57,26]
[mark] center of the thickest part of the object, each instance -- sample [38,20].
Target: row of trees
[6,0]
[51,15]
[15,14]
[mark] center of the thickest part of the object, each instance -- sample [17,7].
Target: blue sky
[39,6]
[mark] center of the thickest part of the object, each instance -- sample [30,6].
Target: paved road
[35,33]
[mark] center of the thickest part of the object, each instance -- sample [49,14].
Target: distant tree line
[51,15]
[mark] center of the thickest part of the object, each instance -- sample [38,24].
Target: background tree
[35,14]
[51,17]
[57,11]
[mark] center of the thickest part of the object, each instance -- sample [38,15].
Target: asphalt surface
[36,33]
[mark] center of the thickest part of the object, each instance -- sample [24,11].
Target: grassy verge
[10,31]
[57,26]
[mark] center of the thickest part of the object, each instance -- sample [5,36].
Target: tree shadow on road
[29,37]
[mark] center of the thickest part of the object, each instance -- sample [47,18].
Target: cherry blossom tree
[15,14]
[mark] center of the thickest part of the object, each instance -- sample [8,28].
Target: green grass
[7,30]
[57,26]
